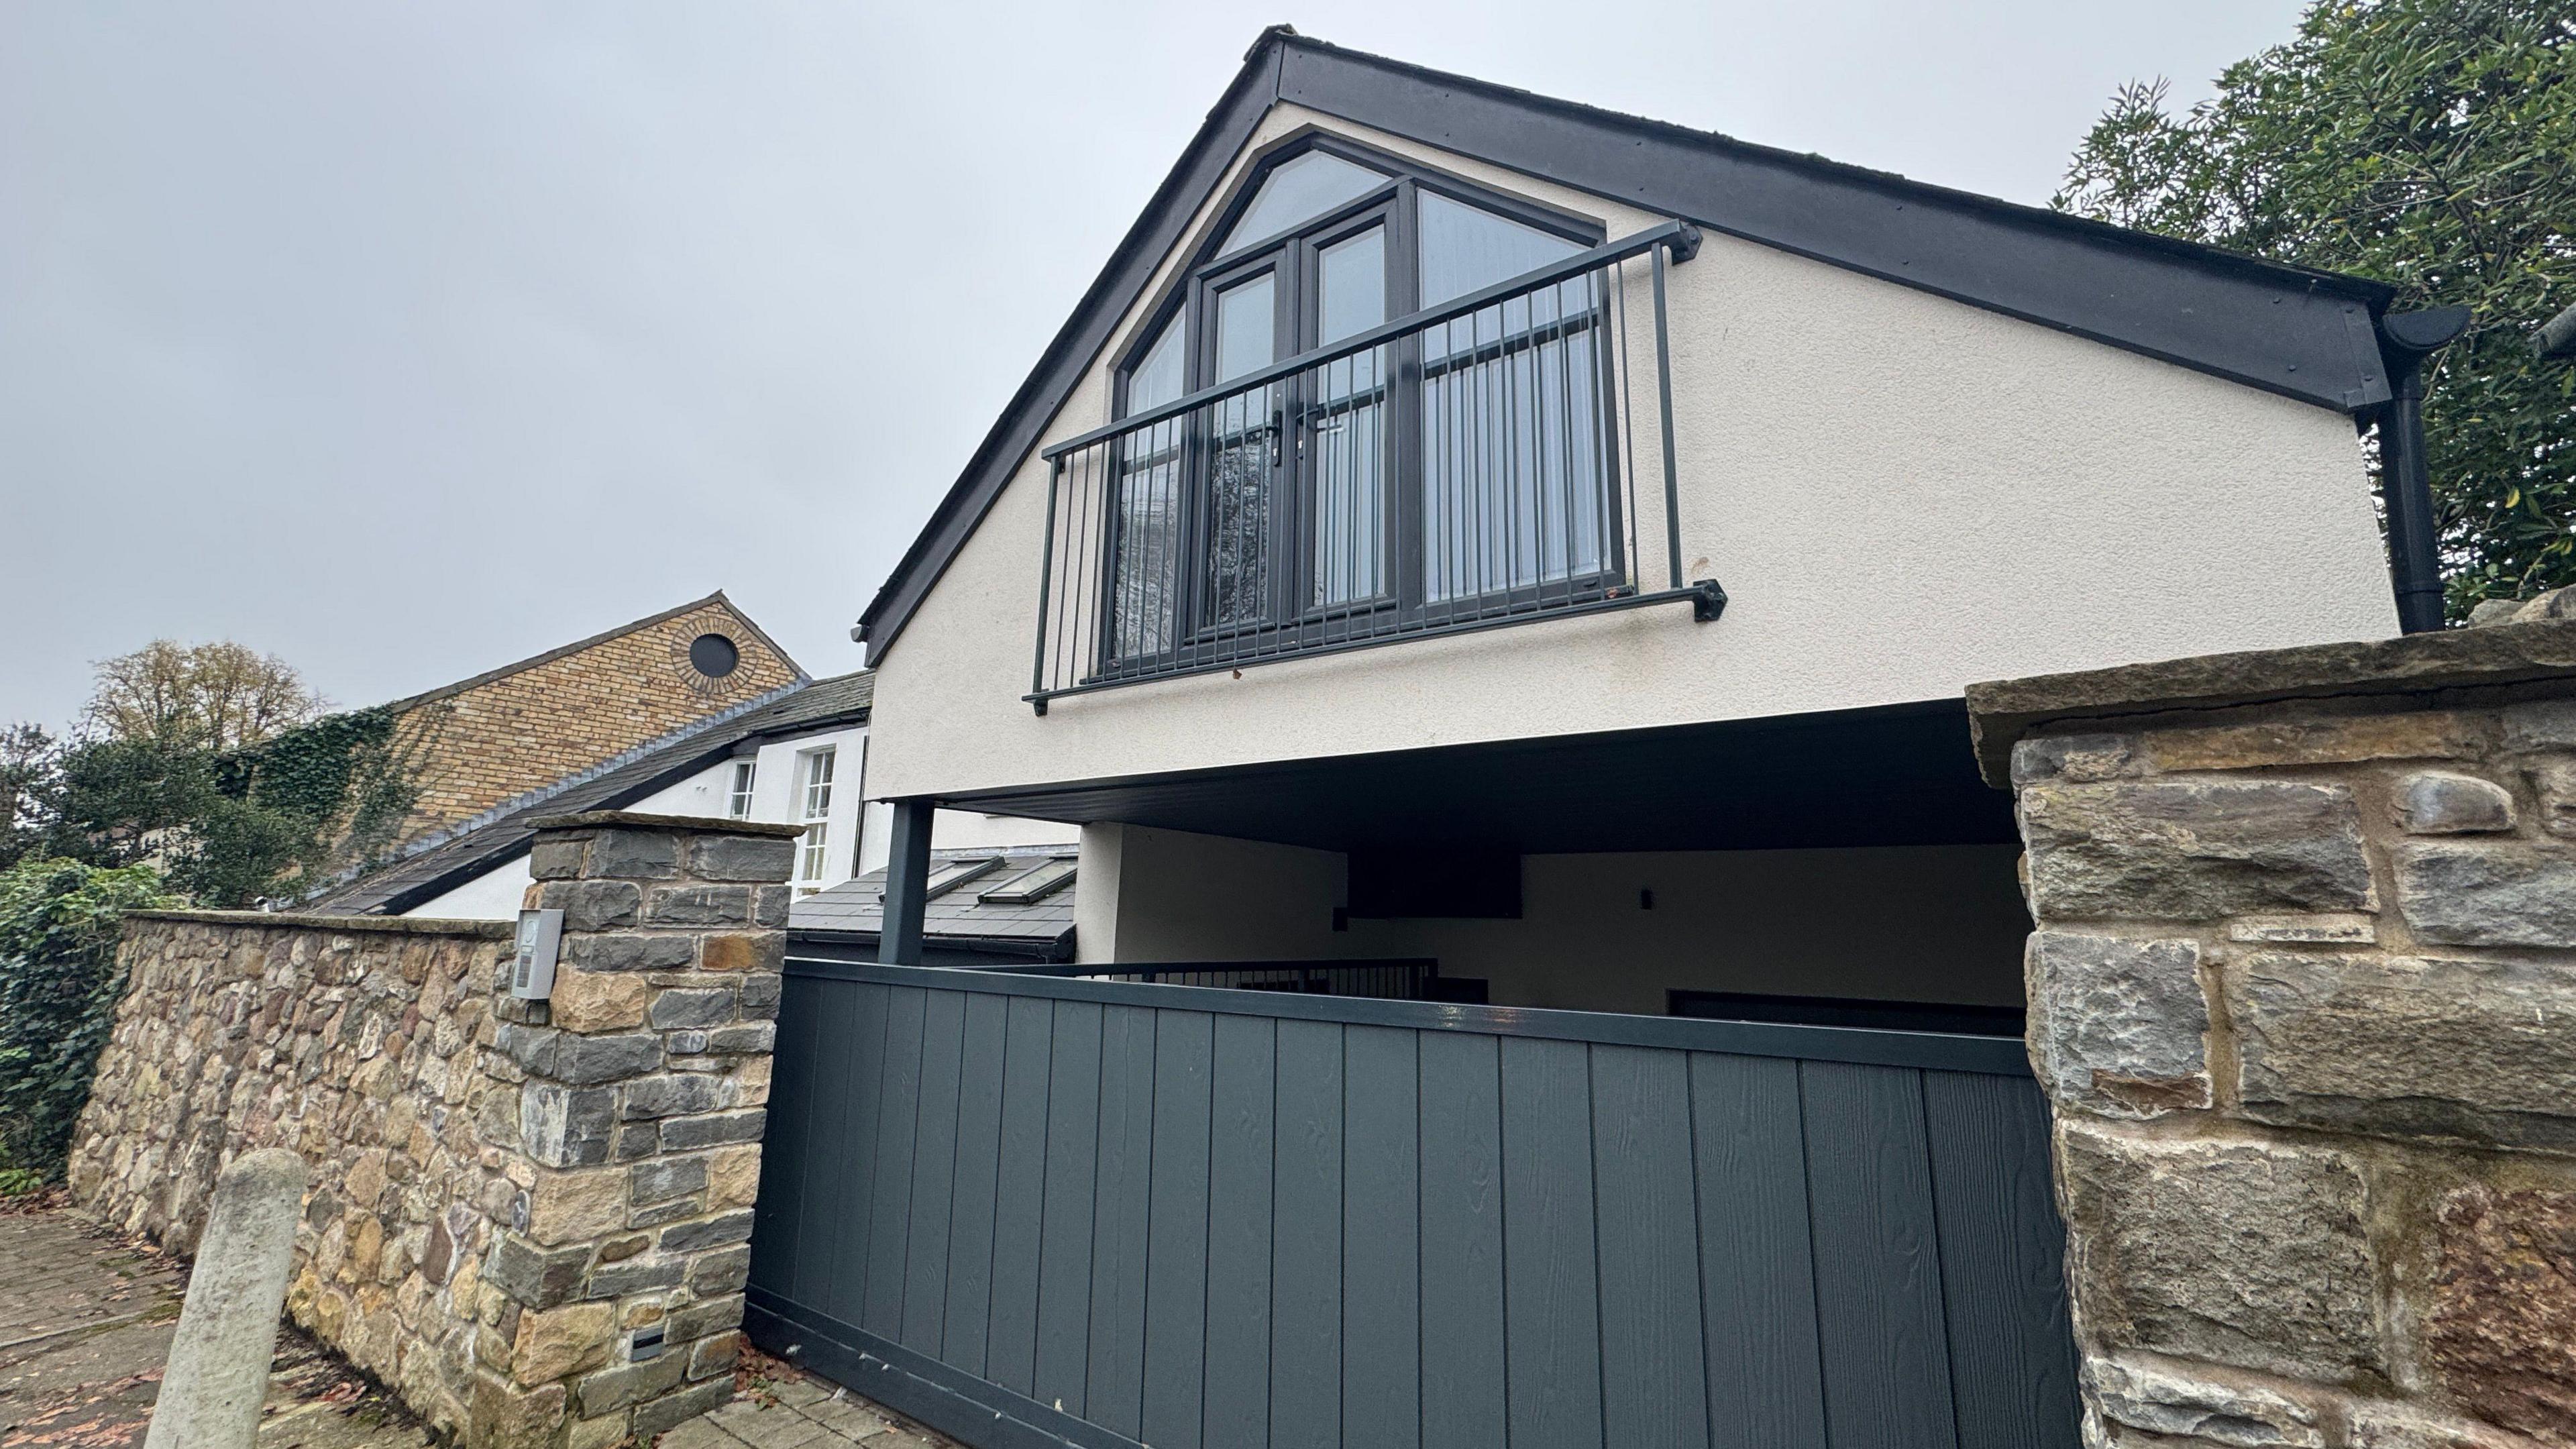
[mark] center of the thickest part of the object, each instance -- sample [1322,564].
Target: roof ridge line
[548,656]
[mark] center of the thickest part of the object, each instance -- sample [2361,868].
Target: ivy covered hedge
[59,986]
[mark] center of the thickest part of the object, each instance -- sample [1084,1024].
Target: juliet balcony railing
[1496,459]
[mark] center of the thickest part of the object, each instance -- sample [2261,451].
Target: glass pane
[1243,458]
[1158,379]
[1149,554]
[1464,248]
[1346,428]
[1515,488]
[1245,318]
[1307,186]
[1354,276]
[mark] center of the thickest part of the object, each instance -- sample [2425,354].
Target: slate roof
[2304,334]
[856,907]
[509,829]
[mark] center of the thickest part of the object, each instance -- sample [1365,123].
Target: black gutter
[2408,340]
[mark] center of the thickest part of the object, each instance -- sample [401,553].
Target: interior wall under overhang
[1936,923]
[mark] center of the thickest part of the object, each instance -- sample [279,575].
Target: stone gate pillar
[612,1297]
[2303,997]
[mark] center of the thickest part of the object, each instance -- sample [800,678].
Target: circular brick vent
[714,655]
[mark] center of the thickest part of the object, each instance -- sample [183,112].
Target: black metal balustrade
[1475,464]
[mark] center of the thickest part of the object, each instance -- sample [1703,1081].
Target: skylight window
[948,875]
[1309,185]
[1032,885]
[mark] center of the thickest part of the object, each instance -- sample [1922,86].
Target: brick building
[482,742]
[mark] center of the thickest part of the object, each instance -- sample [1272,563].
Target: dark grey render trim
[2307,335]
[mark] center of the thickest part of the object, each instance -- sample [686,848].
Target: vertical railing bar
[1628,422]
[1604,461]
[1672,477]
[1067,652]
[1092,585]
[1046,575]
[1565,430]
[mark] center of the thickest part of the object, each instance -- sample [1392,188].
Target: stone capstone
[2243,1252]
[2190,850]
[2501,1330]
[2074,758]
[2118,1024]
[2488,893]
[2440,802]
[2480,1050]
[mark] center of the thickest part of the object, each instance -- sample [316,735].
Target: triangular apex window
[1298,189]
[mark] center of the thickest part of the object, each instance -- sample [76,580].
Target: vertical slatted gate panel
[1880,1319]
[1757,1283]
[1653,1353]
[852,1072]
[977,1191]
[2002,1255]
[1197,1229]
[1176,1251]
[898,1116]
[1239,1197]
[784,1159]
[1381,1253]
[1115,1387]
[1064,1233]
[934,1172]
[1019,1195]
[1551,1329]
[1462,1241]
[1306,1233]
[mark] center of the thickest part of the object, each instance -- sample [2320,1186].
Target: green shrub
[59,986]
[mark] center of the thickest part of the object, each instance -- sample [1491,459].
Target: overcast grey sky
[405,340]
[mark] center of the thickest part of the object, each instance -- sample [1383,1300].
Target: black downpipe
[2408,340]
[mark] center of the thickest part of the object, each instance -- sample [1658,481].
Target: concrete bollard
[217,1377]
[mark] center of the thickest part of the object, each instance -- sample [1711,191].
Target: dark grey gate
[1032,1211]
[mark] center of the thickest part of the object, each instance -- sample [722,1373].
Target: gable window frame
[1289,608]
[814,779]
[739,787]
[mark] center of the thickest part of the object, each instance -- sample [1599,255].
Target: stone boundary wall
[529,1219]
[2303,996]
